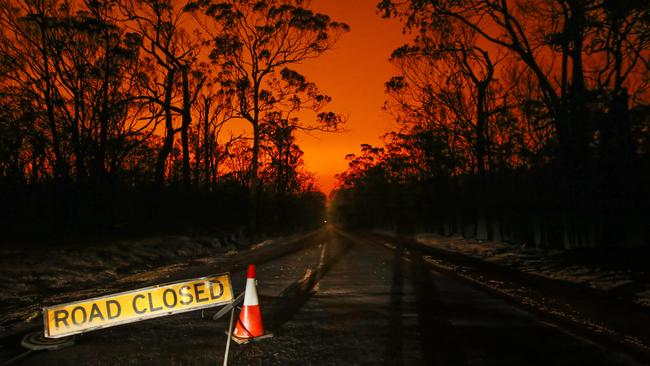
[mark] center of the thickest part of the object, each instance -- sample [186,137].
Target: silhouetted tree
[213,115]
[254,45]
[554,40]
[174,52]
[449,87]
[621,38]
[72,62]
[92,97]
[508,89]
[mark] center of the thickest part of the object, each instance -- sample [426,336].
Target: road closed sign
[132,306]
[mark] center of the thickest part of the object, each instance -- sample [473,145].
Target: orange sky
[353,74]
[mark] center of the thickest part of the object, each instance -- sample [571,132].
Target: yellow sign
[132,306]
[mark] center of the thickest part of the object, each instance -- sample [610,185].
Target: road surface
[338,298]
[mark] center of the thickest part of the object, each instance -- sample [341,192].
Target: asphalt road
[343,299]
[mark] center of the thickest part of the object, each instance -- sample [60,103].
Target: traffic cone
[249,326]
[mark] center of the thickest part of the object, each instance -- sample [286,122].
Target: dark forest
[114,113]
[524,122]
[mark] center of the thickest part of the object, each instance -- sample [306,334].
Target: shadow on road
[296,295]
[393,355]
[438,339]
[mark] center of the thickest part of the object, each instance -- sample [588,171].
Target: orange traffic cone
[249,326]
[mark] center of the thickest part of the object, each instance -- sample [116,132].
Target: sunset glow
[353,74]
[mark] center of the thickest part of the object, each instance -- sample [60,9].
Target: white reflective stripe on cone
[250,298]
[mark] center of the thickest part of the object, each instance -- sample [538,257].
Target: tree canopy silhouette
[517,120]
[256,44]
[100,101]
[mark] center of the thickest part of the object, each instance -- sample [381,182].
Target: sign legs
[225,356]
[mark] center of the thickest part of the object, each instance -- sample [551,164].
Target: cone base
[250,323]
[252,339]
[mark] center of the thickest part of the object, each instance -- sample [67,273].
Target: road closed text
[136,305]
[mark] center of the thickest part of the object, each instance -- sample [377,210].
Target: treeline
[145,114]
[525,121]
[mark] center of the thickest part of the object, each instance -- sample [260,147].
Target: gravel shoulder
[30,280]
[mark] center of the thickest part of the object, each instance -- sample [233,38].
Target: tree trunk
[168,143]
[481,121]
[76,144]
[104,115]
[207,143]
[579,127]
[254,179]
[186,121]
[60,166]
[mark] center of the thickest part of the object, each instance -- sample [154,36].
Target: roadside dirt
[49,277]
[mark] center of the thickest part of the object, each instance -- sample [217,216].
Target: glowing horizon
[353,74]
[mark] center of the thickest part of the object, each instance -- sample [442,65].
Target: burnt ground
[336,298]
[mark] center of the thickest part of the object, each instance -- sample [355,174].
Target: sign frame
[228,286]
